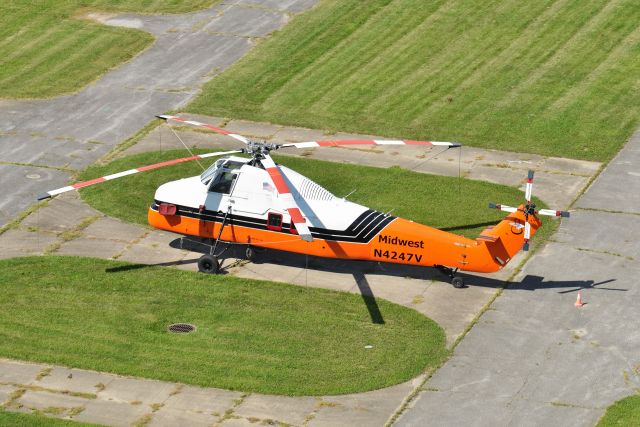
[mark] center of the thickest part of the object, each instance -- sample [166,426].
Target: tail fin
[506,238]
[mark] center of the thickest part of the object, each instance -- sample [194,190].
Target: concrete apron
[536,359]
[42,142]
[421,289]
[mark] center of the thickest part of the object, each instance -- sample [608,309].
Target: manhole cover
[182,328]
[33,176]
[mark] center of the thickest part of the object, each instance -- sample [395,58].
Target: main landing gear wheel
[249,253]
[208,264]
[457,282]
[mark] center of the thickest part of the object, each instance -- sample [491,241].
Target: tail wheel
[249,253]
[457,282]
[208,264]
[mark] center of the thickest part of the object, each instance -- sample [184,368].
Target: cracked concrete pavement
[115,400]
[534,358]
[47,229]
[43,141]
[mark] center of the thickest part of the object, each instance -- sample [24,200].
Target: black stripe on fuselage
[362,230]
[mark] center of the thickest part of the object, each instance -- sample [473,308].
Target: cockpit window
[223,182]
[206,176]
[220,166]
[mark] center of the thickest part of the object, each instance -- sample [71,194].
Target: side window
[274,221]
[223,182]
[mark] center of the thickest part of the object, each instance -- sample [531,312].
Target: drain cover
[182,328]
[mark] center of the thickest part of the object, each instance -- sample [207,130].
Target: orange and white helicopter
[254,202]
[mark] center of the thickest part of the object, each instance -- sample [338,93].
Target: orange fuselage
[400,241]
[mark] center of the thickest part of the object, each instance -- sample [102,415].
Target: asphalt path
[43,141]
[536,359]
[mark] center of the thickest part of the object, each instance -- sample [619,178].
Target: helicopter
[252,201]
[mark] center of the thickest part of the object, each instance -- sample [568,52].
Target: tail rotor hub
[529,209]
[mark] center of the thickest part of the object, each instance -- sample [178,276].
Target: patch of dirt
[88,14]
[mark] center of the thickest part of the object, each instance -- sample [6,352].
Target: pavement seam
[71,234]
[257,6]
[32,387]
[23,215]
[41,166]
[420,387]
[229,413]
[610,211]
[131,243]
[614,254]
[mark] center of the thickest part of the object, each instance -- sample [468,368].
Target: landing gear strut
[209,263]
[456,281]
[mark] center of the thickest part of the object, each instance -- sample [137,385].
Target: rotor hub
[259,147]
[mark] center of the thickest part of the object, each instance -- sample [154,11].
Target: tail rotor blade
[503,208]
[529,186]
[285,193]
[550,212]
[527,235]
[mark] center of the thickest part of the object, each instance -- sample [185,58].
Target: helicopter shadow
[359,270]
[234,252]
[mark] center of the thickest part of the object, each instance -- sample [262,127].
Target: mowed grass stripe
[87,46]
[452,65]
[581,18]
[45,52]
[37,65]
[545,35]
[251,335]
[349,57]
[496,74]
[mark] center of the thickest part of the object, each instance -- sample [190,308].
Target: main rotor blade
[205,126]
[311,144]
[529,187]
[527,235]
[78,185]
[290,204]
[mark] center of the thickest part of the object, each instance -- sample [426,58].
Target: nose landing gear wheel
[208,264]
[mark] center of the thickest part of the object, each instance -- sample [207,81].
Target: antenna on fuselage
[352,191]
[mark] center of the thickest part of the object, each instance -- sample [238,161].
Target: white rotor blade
[551,212]
[504,208]
[527,235]
[529,187]
[285,193]
[311,144]
[78,185]
[204,126]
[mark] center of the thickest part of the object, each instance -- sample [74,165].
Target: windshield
[206,176]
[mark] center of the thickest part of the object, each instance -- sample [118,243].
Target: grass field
[623,413]
[251,335]
[45,51]
[555,77]
[457,205]
[15,419]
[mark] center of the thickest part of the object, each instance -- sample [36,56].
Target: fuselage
[242,196]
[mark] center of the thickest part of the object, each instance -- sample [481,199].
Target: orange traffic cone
[579,302]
